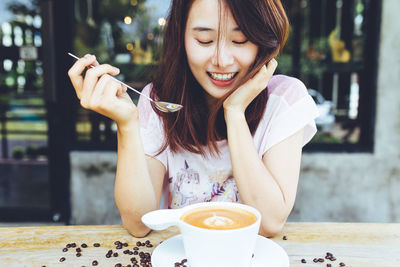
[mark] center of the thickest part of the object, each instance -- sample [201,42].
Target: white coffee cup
[210,247]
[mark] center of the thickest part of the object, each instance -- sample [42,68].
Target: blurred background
[58,161]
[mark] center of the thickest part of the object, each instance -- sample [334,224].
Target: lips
[222,79]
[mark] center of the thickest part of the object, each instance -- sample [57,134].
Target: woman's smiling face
[218,53]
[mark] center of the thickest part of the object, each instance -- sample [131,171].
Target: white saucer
[267,253]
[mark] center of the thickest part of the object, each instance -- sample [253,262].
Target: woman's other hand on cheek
[242,97]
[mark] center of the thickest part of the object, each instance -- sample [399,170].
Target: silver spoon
[161,105]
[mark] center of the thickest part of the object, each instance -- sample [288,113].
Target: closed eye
[204,43]
[236,42]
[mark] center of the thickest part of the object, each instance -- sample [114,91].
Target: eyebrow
[206,29]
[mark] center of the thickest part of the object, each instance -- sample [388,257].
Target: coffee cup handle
[161,219]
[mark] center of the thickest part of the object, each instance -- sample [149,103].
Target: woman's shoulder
[289,88]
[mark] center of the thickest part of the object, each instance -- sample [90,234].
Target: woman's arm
[138,182]
[139,179]
[268,184]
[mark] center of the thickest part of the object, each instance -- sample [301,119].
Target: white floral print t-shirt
[191,178]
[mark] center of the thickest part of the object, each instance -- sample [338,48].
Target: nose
[222,56]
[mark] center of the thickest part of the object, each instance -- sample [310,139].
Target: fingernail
[116,69]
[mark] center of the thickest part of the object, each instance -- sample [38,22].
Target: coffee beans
[284,237]
[143,259]
[181,263]
[328,256]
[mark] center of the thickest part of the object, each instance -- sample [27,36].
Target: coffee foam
[216,220]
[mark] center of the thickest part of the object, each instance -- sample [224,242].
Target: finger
[271,67]
[98,92]
[91,78]
[112,90]
[260,80]
[122,90]
[75,72]
[95,62]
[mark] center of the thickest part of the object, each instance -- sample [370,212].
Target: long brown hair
[195,128]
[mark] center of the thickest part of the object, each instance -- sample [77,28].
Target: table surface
[355,244]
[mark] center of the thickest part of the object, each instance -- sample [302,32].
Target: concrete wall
[92,188]
[333,187]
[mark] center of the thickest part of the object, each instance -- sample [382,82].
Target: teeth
[222,77]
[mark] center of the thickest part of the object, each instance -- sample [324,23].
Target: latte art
[218,221]
[219,218]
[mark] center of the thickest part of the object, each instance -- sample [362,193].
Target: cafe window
[126,34]
[332,48]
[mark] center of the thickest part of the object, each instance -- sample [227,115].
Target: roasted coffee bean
[329,254]
[128,265]
[303,261]
[84,245]
[184,261]
[96,245]
[149,245]
[108,255]
[135,252]
[125,244]
[78,254]
[78,250]
[65,250]
[135,248]
[95,263]
[133,260]
[62,259]
[328,265]
[73,245]
[68,246]
[119,246]
[126,251]
[332,258]
[284,237]
[342,264]
[130,252]
[147,242]
[109,252]
[118,265]
[315,260]
[321,260]
[115,254]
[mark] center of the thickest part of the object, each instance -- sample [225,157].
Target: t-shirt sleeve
[151,129]
[289,109]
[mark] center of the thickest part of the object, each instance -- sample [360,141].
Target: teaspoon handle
[115,79]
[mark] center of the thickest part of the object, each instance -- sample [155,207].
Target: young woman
[240,134]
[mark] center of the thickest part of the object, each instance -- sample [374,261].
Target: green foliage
[18,152]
